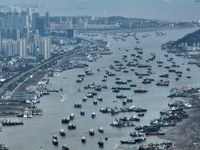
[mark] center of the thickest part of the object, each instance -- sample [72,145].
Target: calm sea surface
[38,131]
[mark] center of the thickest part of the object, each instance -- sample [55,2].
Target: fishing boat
[93,115]
[72,116]
[62,132]
[65,120]
[82,112]
[128,142]
[4,147]
[99,98]
[188,69]
[83,139]
[61,89]
[166,75]
[84,99]
[141,114]
[162,83]
[140,139]
[101,130]
[101,143]
[55,140]
[95,102]
[121,96]
[124,102]
[188,76]
[64,147]
[136,134]
[91,131]
[139,89]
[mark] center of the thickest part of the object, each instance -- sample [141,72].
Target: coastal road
[6,84]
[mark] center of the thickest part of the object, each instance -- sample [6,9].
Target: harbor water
[38,131]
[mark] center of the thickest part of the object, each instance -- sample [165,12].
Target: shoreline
[125,30]
[185,135]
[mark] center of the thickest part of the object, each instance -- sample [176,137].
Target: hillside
[189,38]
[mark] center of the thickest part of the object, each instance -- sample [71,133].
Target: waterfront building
[7,45]
[22,47]
[45,47]
[35,38]
[31,46]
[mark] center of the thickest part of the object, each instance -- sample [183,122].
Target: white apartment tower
[45,47]
[22,47]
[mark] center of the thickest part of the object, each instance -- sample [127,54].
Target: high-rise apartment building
[24,20]
[45,47]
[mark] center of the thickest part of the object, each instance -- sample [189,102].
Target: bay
[38,131]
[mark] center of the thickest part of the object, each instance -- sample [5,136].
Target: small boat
[140,139]
[84,99]
[62,132]
[93,115]
[61,89]
[128,142]
[64,147]
[139,89]
[188,76]
[72,116]
[82,112]
[101,130]
[83,139]
[65,120]
[55,140]
[162,83]
[141,114]
[177,78]
[70,126]
[99,98]
[136,134]
[188,69]
[95,102]
[73,126]
[116,90]
[79,90]
[124,102]
[91,131]
[100,143]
